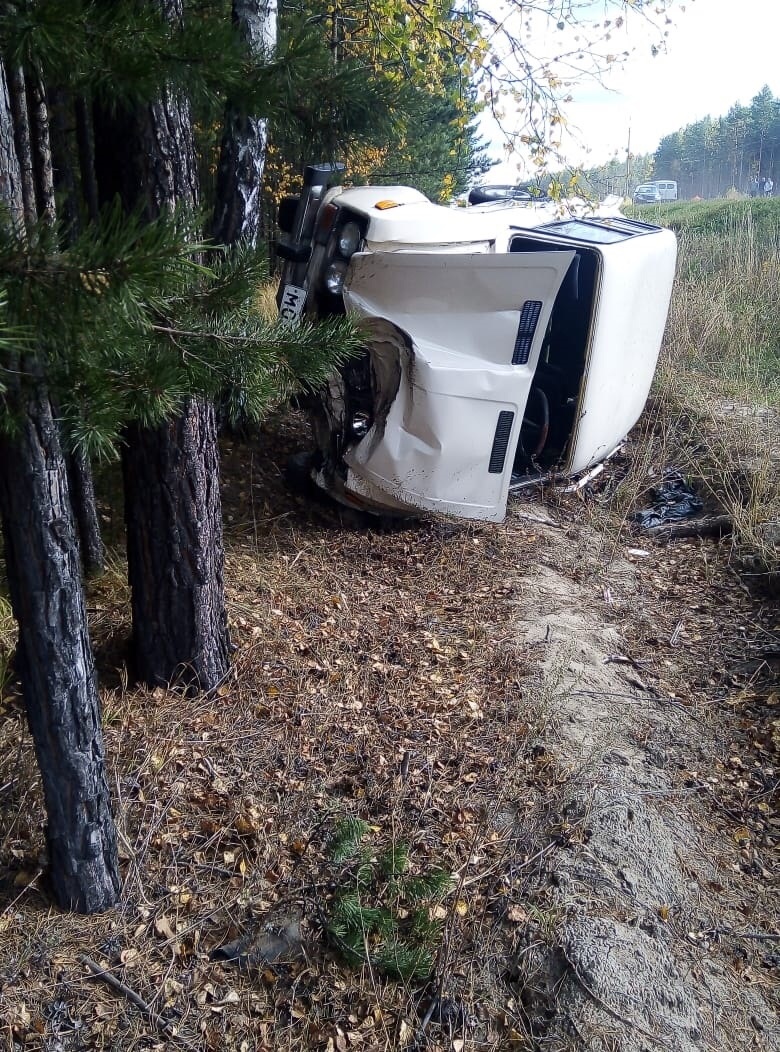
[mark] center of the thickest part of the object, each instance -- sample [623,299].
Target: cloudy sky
[718,52]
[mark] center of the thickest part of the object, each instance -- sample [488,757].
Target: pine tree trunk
[63,165]
[147,157]
[82,495]
[174,536]
[42,163]
[21,126]
[55,657]
[86,150]
[11,189]
[237,208]
[173,508]
[244,139]
[56,664]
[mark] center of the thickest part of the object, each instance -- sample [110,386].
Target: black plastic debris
[674,500]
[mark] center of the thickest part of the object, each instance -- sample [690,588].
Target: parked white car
[505,343]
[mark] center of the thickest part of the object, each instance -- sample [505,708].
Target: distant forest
[707,158]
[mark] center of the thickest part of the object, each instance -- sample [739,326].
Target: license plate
[292,303]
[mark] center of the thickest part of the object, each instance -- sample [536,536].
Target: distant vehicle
[482,195]
[646,193]
[505,343]
[667,188]
[659,190]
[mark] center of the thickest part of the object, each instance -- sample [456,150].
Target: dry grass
[716,415]
[265,300]
[375,676]
[7,639]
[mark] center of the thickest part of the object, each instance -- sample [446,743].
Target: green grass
[720,217]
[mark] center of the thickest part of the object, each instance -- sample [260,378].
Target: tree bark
[173,509]
[244,139]
[55,657]
[42,163]
[21,126]
[56,664]
[148,157]
[174,546]
[86,150]
[237,208]
[64,163]
[82,495]
[61,162]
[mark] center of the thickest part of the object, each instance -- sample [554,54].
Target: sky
[718,52]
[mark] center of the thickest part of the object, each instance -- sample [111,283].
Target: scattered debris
[673,500]
[268,939]
[107,977]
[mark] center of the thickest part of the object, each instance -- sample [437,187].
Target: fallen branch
[110,980]
[711,526]
[119,987]
[771,936]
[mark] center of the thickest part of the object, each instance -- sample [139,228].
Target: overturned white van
[505,343]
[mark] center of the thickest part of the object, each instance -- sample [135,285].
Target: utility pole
[628,162]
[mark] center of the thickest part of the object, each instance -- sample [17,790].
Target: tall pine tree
[54,655]
[237,211]
[173,509]
[107,322]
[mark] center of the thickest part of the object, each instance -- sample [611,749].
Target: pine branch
[428,885]
[129,322]
[346,840]
[394,861]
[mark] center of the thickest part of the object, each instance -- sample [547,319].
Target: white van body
[667,189]
[505,343]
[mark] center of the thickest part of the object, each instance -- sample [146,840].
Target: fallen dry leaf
[164,927]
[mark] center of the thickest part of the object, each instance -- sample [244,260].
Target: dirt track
[660,908]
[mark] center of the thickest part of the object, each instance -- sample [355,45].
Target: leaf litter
[388,677]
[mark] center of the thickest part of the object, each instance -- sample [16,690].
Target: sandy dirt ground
[657,898]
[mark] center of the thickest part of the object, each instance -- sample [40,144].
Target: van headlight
[334,276]
[360,424]
[349,239]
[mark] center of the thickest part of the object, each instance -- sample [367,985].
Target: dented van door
[469,328]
